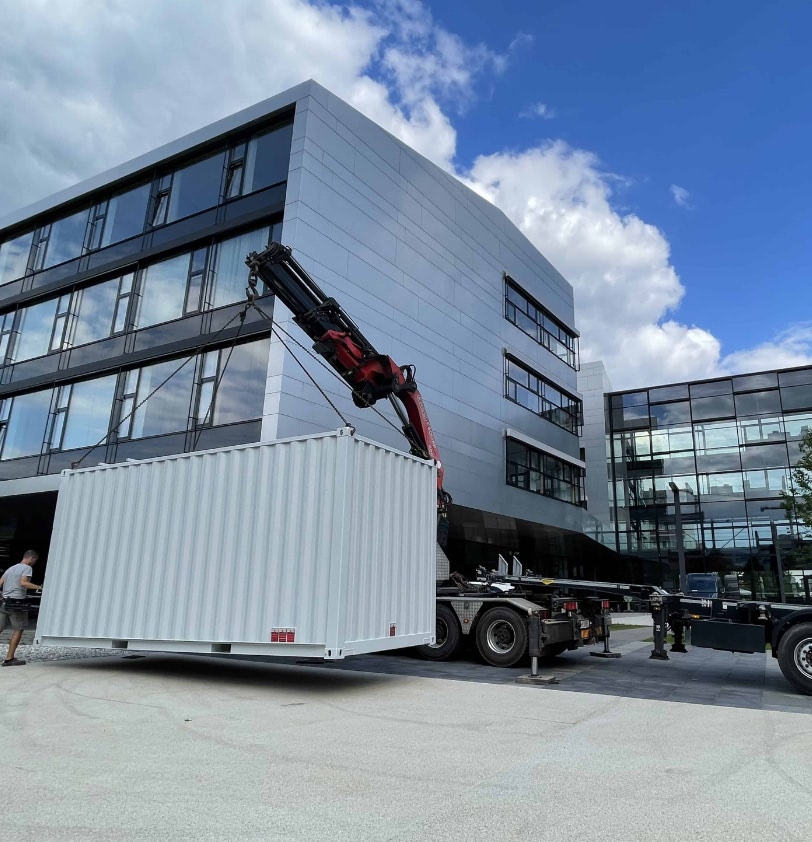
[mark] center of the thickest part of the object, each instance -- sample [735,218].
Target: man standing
[15,582]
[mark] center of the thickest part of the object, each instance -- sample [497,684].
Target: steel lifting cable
[241,316]
[276,329]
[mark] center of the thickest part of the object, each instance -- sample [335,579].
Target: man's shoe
[14,662]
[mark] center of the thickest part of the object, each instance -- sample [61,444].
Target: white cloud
[791,347]
[84,90]
[538,109]
[681,196]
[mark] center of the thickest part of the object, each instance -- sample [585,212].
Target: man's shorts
[18,620]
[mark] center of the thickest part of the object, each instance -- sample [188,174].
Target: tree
[797,502]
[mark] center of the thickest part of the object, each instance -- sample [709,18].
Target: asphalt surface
[165,747]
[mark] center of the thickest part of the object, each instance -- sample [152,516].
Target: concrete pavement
[170,747]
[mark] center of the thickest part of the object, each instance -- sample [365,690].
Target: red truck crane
[506,620]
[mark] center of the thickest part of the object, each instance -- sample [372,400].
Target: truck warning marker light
[283,635]
[391,629]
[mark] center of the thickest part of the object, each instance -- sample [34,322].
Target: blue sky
[655,152]
[709,96]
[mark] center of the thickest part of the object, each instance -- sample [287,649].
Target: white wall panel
[330,535]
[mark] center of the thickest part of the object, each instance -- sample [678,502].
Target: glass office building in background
[723,451]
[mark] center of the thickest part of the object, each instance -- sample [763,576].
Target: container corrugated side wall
[392,565]
[222,545]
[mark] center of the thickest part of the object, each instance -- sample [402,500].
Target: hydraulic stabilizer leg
[678,627]
[605,628]
[658,653]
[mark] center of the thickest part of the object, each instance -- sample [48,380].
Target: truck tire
[501,637]
[795,657]
[447,635]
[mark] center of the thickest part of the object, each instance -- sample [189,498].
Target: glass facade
[238,169]
[542,473]
[727,446]
[532,390]
[120,335]
[538,323]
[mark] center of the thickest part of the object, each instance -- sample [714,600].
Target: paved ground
[172,747]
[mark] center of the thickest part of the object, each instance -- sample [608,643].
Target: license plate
[585,624]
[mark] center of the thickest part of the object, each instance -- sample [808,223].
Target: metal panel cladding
[330,536]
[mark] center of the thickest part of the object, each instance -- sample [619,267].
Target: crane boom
[371,376]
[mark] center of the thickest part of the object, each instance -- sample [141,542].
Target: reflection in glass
[241,392]
[95,312]
[35,330]
[268,159]
[761,429]
[668,393]
[196,187]
[748,382]
[723,459]
[14,257]
[715,435]
[796,397]
[765,483]
[88,417]
[711,388]
[666,414]
[722,486]
[125,215]
[798,425]
[66,239]
[765,456]
[167,411]
[720,406]
[671,439]
[26,425]
[163,291]
[230,275]
[758,403]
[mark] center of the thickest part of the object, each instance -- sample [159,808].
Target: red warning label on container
[391,630]
[283,635]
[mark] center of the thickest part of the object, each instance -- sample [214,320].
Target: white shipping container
[320,546]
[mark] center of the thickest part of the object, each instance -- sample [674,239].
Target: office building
[722,451]
[121,334]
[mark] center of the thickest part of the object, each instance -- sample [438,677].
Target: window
[230,276]
[27,418]
[241,392]
[167,411]
[35,330]
[163,291]
[195,188]
[126,214]
[62,240]
[94,312]
[529,389]
[748,382]
[541,473]
[6,335]
[719,406]
[796,397]
[711,388]
[82,413]
[754,430]
[268,159]
[670,414]
[14,257]
[538,323]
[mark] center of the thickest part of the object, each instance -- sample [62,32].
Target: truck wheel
[501,637]
[447,635]
[795,657]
